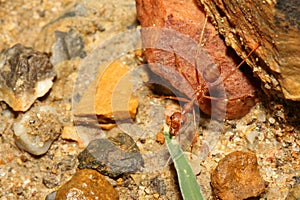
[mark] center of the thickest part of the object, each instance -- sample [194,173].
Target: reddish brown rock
[184,21]
[87,184]
[237,177]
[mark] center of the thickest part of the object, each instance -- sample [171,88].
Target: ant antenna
[202,32]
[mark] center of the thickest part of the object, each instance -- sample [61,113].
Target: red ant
[212,77]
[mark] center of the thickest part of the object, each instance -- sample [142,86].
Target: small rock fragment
[160,138]
[51,181]
[159,186]
[70,133]
[51,196]
[112,158]
[25,75]
[237,177]
[68,45]
[251,136]
[87,184]
[35,131]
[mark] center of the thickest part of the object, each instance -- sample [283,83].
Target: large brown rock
[237,177]
[276,26]
[173,41]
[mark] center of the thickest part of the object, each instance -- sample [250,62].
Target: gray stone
[113,157]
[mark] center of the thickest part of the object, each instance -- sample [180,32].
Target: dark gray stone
[113,157]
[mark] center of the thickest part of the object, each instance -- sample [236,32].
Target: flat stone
[87,184]
[237,177]
[70,133]
[110,96]
[113,157]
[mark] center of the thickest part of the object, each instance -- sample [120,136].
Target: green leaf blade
[189,187]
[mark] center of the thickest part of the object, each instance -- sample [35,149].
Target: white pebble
[271,120]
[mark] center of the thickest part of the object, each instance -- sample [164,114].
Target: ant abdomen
[211,73]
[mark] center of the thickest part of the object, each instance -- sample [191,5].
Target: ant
[212,78]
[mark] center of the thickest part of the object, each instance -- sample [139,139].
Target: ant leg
[244,60]
[180,69]
[196,135]
[217,98]
[182,99]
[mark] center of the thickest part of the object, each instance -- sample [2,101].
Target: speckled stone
[87,184]
[237,177]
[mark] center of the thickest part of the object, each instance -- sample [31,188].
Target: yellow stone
[70,133]
[110,95]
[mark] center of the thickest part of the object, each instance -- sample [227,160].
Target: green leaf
[190,190]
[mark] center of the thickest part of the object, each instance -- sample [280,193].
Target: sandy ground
[23,176]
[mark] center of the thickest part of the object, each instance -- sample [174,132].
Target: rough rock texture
[185,17]
[87,184]
[113,157]
[276,26]
[25,75]
[237,177]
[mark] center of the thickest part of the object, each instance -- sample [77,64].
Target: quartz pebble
[35,130]
[251,136]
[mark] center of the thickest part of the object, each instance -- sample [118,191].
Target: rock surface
[87,184]
[109,96]
[273,24]
[237,177]
[179,51]
[113,157]
[25,75]
[35,130]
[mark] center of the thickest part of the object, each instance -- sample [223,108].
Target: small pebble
[271,120]
[261,117]
[25,75]
[159,186]
[160,138]
[35,131]
[237,177]
[251,136]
